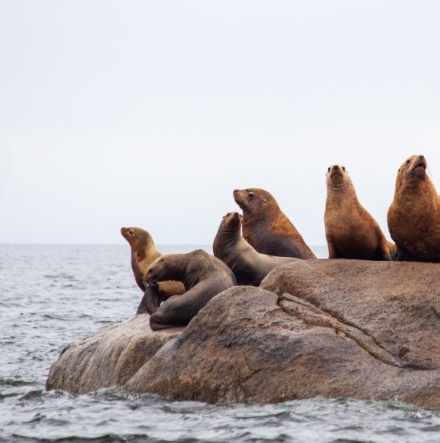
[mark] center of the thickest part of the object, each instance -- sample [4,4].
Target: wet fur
[143,254]
[266,228]
[351,232]
[414,214]
[203,275]
[248,265]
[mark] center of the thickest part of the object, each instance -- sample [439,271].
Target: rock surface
[332,328]
[108,357]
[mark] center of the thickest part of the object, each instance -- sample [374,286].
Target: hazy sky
[150,113]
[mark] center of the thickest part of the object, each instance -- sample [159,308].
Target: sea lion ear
[264,200]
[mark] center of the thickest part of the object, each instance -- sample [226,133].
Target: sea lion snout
[336,171]
[419,167]
[233,218]
[239,198]
[336,168]
[127,233]
[149,277]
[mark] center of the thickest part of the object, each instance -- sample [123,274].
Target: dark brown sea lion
[143,253]
[248,265]
[414,214]
[350,230]
[267,228]
[203,275]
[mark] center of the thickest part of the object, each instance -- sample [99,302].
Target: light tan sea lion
[350,230]
[248,265]
[143,254]
[266,227]
[203,275]
[414,214]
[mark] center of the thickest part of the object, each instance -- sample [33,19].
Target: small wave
[32,395]
[106,438]
[15,382]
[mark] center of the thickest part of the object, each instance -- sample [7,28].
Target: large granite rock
[328,328]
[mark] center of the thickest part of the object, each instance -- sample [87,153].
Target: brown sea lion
[248,265]
[414,214]
[143,253]
[267,228]
[350,230]
[203,275]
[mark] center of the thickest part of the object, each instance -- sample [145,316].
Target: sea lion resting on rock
[203,275]
[143,253]
[350,230]
[267,228]
[414,214]
[248,265]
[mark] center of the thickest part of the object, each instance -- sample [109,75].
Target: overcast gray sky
[150,113]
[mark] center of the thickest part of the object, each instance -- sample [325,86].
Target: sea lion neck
[228,233]
[228,240]
[340,186]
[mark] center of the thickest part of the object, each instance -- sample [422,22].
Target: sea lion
[248,265]
[266,227]
[203,275]
[414,214]
[350,230]
[143,253]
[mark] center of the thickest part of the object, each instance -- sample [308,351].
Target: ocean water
[53,295]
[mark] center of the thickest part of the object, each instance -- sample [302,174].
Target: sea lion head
[137,238]
[232,219]
[255,201]
[230,226]
[337,178]
[412,171]
[158,269]
[414,167]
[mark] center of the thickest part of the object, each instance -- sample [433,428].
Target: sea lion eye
[328,170]
[408,161]
[250,194]
[343,168]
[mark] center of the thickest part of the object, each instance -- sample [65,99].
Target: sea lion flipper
[150,301]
